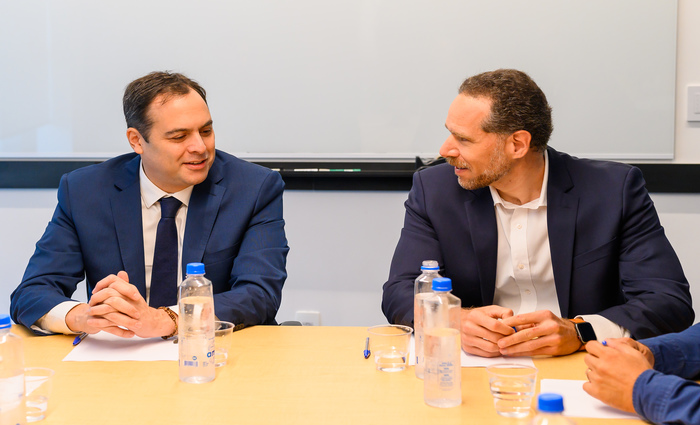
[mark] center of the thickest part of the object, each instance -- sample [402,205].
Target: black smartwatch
[584,330]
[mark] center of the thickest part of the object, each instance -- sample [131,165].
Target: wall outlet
[308,318]
[694,103]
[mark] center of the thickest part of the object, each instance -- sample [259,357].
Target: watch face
[585,332]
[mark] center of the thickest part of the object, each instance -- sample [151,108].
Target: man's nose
[449,148]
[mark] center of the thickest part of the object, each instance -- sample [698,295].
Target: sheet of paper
[469,360]
[577,402]
[106,347]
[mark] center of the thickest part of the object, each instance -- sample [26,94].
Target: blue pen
[605,343]
[79,338]
[366,352]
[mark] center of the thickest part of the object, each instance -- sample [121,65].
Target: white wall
[342,242]
[687,148]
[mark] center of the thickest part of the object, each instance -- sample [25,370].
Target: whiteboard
[335,78]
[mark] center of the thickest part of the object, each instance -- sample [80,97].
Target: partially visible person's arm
[613,370]
[665,399]
[659,397]
[677,353]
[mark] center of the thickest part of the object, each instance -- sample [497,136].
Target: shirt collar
[535,203]
[150,193]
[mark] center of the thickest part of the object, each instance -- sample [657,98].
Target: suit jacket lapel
[201,215]
[126,209]
[484,234]
[562,208]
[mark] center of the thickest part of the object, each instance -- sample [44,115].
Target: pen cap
[442,284]
[195,268]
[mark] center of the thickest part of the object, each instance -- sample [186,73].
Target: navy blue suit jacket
[610,255]
[234,226]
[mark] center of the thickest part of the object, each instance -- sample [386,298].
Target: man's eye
[178,138]
[206,132]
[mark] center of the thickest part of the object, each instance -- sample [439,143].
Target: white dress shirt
[55,320]
[524,274]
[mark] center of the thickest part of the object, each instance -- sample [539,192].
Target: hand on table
[539,333]
[613,370]
[117,305]
[481,329]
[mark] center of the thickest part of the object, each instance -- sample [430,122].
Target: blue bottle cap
[5,321]
[195,268]
[550,402]
[442,284]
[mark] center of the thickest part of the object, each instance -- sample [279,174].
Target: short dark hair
[140,93]
[517,104]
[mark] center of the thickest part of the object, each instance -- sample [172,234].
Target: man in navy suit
[546,251]
[228,215]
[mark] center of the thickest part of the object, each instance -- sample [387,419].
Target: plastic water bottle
[196,327]
[423,288]
[442,383]
[550,407]
[12,410]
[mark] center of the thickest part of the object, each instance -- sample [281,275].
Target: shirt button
[519,226]
[521,266]
[527,292]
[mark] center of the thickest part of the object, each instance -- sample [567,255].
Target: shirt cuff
[55,320]
[604,328]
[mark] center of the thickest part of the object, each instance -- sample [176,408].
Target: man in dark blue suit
[227,215]
[546,251]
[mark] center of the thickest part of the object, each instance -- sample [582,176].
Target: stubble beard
[499,166]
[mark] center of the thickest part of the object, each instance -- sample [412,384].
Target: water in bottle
[12,409]
[550,408]
[442,382]
[423,288]
[196,327]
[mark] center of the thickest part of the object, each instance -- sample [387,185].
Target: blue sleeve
[55,269]
[259,270]
[678,353]
[666,399]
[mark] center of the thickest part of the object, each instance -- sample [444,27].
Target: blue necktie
[164,271]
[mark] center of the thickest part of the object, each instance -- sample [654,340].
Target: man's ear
[520,143]
[135,140]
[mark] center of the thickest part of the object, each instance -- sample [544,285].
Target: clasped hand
[117,307]
[491,331]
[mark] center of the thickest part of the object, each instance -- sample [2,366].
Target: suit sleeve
[259,270]
[418,242]
[55,268]
[657,294]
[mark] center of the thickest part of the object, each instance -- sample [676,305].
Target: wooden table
[275,375]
